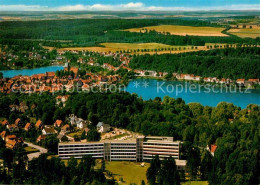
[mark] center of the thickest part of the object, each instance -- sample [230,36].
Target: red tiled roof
[38,123]
[10,137]
[41,137]
[27,126]
[58,123]
[213,148]
[10,144]
[4,123]
[17,121]
[3,134]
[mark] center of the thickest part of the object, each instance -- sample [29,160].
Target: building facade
[139,149]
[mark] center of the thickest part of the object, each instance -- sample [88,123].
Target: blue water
[193,92]
[30,72]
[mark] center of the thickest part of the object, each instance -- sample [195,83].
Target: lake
[206,95]
[30,72]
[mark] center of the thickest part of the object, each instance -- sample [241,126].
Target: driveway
[36,154]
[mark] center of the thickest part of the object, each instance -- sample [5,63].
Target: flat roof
[147,139]
[99,142]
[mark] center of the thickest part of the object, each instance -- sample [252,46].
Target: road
[36,154]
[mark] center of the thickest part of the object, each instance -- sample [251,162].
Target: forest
[91,32]
[234,131]
[233,63]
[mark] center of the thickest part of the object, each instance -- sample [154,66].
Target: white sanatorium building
[139,149]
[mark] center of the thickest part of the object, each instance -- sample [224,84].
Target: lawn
[246,32]
[72,134]
[182,30]
[195,183]
[29,150]
[131,172]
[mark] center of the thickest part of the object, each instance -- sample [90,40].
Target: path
[36,154]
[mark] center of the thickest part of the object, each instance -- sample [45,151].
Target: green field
[182,30]
[29,149]
[195,183]
[131,172]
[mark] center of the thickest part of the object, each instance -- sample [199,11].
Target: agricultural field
[182,30]
[141,48]
[131,172]
[138,48]
[246,32]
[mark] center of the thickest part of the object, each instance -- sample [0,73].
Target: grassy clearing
[75,133]
[245,32]
[182,30]
[29,149]
[131,172]
[195,183]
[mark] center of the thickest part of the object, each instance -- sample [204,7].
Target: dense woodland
[222,63]
[234,131]
[91,32]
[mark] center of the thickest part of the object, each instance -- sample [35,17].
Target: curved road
[36,154]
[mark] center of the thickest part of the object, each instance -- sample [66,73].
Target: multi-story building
[139,149]
[77,150]
[164,147]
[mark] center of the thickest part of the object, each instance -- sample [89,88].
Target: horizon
[126,5]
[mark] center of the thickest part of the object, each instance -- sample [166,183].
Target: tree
[64,138]
[152,171]
[8,157]
[206,165]
[93,135]
[193,162]
[51,143]
[103,166]
[168,173]
[83,135]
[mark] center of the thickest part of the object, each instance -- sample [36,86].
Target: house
[79,122]
[18,123]
[28,126]
[49,131]
[58,123]
[62,99]
[12,127]
[101,127]
[3,135]
[241,81]
[41,138]
[39,125]
[65,128]
[11,144]
[253,81]
[212,149]
[50,75]
[5,122]
[10,137]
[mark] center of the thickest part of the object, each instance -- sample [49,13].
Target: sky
[121,5]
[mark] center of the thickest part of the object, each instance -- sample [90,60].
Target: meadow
[131,172]
[182,30]
[245,32]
